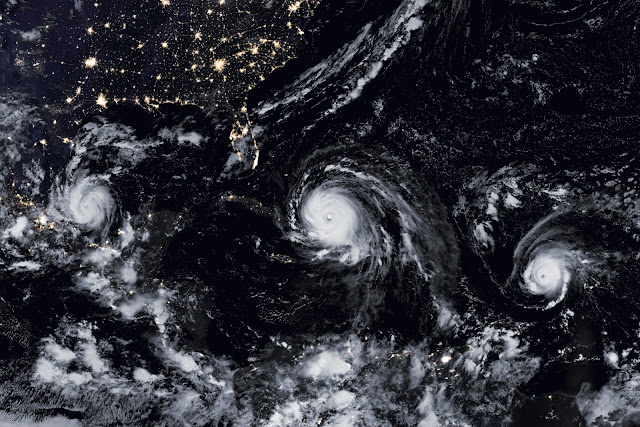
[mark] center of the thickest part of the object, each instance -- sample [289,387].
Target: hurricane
[332,219]
[376,233]
[86,202]
[90,204]
[547,273]
[550,263]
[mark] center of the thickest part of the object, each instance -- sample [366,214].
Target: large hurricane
[375,232]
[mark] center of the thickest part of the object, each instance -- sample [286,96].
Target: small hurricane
[90,204]
[549,262]
[547,274]
[86,203]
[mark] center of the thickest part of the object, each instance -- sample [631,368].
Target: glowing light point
[102,101]
[294,7]
[90,62]
[219,64]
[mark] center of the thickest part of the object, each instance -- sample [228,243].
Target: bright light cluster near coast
[207,53]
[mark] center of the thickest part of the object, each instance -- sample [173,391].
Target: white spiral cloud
[350,212]
[548,261]
[90,204]
[86,202]
[331,216]
[548,274]
[370,233]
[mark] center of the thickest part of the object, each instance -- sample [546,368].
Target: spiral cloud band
[90,204]
[351,219]
[331,216]
[548,272]
[86,202]
[549,263]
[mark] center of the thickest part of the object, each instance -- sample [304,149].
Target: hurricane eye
[549,274]
[331,216]
[546,275]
